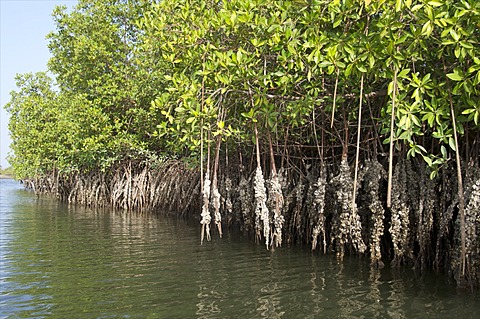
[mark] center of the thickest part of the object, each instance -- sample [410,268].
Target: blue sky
[23,48]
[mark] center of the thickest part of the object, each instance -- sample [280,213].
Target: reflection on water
[61,261]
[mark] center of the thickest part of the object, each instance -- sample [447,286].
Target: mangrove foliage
[348,125]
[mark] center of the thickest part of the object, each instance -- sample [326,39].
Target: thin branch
[358,144]
[334,97]
[390,156]
[461,197]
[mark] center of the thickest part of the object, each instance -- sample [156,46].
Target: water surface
[62,261]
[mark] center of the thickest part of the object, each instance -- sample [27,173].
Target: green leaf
[454,77]
[421,148]
[239,56]
[417,7]
[330,69]
[416,121]
[332,51]
[403,74]
[337,23]
[371,61]
[426,79]
[468,111]
[466,45]
[405,136]
[430,117]
[348,70]
[361,68]
[443,150]
[411,153]
[454,35]
[427,28]
[398,5]
[435,3]
[427,160]
[451,143]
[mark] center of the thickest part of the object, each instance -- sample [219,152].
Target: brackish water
[61,261]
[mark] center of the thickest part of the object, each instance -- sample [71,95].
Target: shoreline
[5,176]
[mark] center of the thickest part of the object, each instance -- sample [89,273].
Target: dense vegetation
[363,115]
[6,171]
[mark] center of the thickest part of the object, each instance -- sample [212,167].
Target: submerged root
[216,207]
[228,199]
[347,228]
[262,217]
[206,218]
[275,199]
[319,208]
[423,223]
[425,216]
[246,201]
[374,173]
[472,231]
[400,220]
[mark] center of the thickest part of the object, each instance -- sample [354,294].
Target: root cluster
[314,206]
